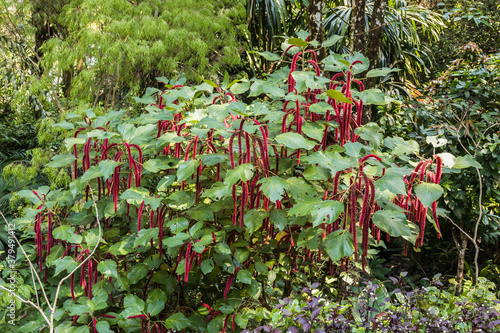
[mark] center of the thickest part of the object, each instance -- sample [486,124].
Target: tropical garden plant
[194,213]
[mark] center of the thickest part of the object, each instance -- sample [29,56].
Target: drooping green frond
[401,41]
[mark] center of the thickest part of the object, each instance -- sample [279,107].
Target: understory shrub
[423,309]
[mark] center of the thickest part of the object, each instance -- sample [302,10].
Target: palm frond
[401,43]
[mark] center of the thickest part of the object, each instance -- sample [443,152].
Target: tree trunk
[462,247]
[358,26]
[372,51]
[42,31]
[315,23]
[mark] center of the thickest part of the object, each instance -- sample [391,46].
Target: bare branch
[32,268]
[27,302]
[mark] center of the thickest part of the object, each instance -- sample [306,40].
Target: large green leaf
[108,268]
[240,87]
[61,160]
[339,244]
[92,173]
[294,141]
[63,232]
[64,125]
[427,193]
[28,194]
[138,135]
[303,207]
[137,273]
[392,222]
[64,264]
[392,183]
[321,211]
[177,322]
[403,147]
[467,161]
[107,167]
[155,307]
[243,172]
[100,134]
[165,182]
[207,266]
[254,218]
[122,247]
[155,165]
[371,133]
[145,236]
[269,56]
[244,276]
[166,139]
[176,240]
[273,188]
[338,96]
[326,212]
[312,173]
[135,195]
[299,188]
[314,130]
[103,327]
[213,159]
[381,72]
[133,305]
[305,80]
[297,42]
[273,90]
[187,169]
[78,309]
[217,191]
[372,96]
[353,149]
[331,41]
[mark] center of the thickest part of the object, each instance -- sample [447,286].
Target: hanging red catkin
[252,190]
[210,310]
[186,271]
[437,179]
[231,152]
[439,169]
[73,287]
[365,208]
[240,148]
[139,216]
[225,324]
[230,282]
[366,223]
[213,314]
[243,202]
[179,258]
[235,205]
[90,277]
[422,225]
[352,215]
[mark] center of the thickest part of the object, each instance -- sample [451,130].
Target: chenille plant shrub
[186,216]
